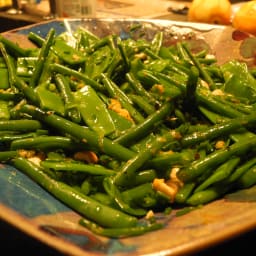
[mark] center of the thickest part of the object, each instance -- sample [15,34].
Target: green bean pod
[141,130]
[67,96]
[217,157]
[120,232]
[65,166]
[83,134]
[44,51]
[44,142]
[207,195]
[86,206]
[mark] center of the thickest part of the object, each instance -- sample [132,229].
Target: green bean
[28,92]
[139,89]
[116,92]
[151,54]
[247,179]
[222,172]
[8,95]
[207,195]
[71,72]
[144,128]
[142,104]
[215,158]
[182,53]
[10,65]
[35,38]
[9,137]
[123,54]
[14,48]
[108,40]
[211,103]
[127,173]
[191,86]
[86,206]
[15,81]
[137,195]
[157,42]
[202,71]
[6,156]
[66,93]
[147,77]
[93,169]
[167,159]
[145,176]
[220,129]
[239,106]
[83,134]
[44,143]
[119,232]
[44,51]
[239,171]
[114,193]
[184,192]
[240,135]
[21,125]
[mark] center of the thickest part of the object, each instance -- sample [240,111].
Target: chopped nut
[87,156]
[150,214]
[220,144]
[115,105]
[27,153]
[160,185]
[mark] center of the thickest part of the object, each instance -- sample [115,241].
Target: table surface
[13,240]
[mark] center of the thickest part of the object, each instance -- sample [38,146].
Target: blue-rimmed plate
[31,209]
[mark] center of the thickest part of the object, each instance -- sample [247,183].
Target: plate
[31,209]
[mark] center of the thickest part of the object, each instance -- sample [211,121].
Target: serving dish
[31,209]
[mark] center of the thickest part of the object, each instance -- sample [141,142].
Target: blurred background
[18,13]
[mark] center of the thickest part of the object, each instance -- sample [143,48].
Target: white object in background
[76,8]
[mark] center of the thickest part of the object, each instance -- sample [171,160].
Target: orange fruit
[244,18]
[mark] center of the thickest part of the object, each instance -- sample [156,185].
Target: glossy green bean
[215,158]
[207,195]
[72,72]
[120,232]
[202,71]
[222,172]
[44,51]
[68,98]
[116,92]
[64,166]
[82,134]
[116,195]
[135,133]
[44,143]
[86,206]
[128,171]
[21,125]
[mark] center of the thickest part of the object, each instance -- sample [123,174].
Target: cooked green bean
[83,134]
[92,169]
[215,158]
[119,232]
[144,128]
[44,51]
[91,209]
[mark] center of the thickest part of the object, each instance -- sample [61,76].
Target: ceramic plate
[31,209]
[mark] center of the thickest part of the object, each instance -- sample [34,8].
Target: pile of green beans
[122,129]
